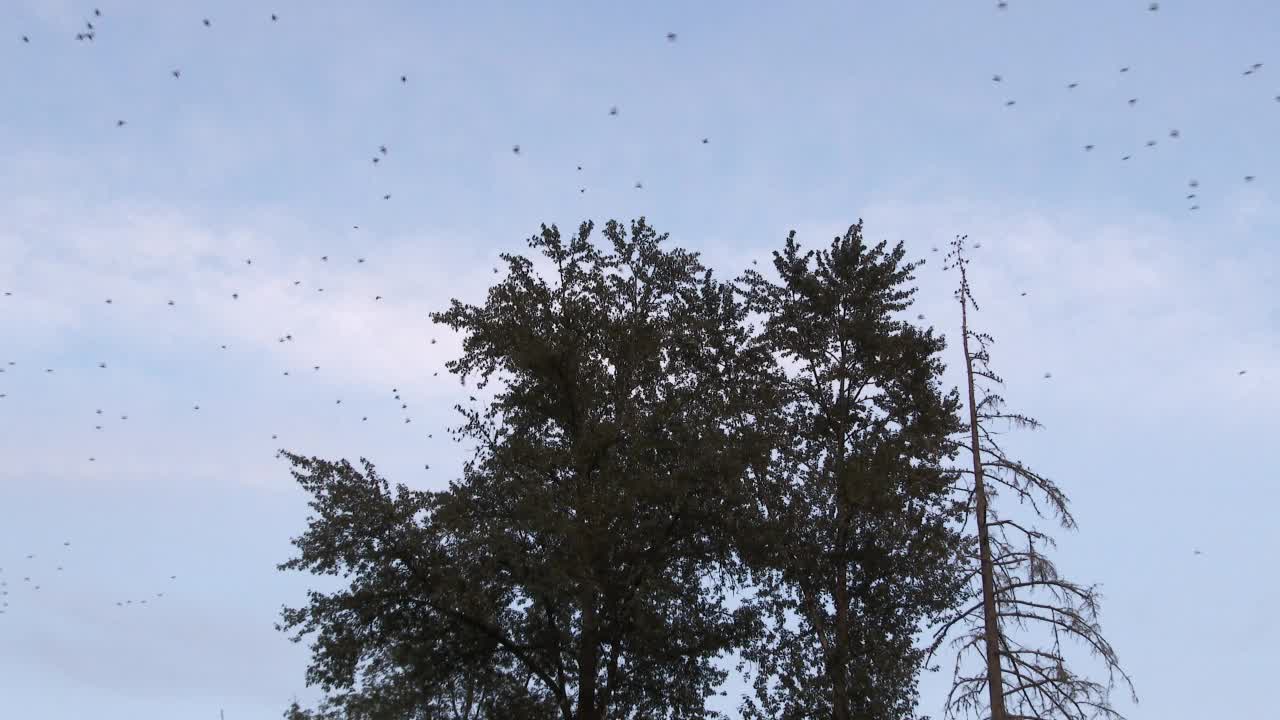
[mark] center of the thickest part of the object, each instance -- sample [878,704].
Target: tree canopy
[582,560]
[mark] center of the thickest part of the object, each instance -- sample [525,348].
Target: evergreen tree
[579,567]
[856,535]
[1018,609]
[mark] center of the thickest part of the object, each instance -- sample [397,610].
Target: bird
[613,110]
[1010,103]
[97,12]
[1248,178]
[26,39]
[1153,7]
[671,37]
[1126,157]
[382,149]
[274,17]
[404,79]
[996,78]
[387,196]
[1174,133]
[515,149]
[206,22]
[1002,5]
[705,141]
[639,185]
[1088,148]
[1048,375]
[1242,372]
[1124,69]
[120,123]
[1133,101]
[176,73]
[1193,183]
[1073,85]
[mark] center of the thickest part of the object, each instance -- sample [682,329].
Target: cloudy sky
[817,113]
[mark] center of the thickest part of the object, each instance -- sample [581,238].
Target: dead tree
[1019,610]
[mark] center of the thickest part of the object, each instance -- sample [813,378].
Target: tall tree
[583,559]
[1018,608]
[857,534]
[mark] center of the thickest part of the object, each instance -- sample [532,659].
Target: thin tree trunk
[839,671]
[588,660]
[995,679]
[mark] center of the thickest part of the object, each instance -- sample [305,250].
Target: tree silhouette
[579,568]
[1019,608]
[857,532]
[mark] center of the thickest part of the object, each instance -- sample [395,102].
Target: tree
[581,563]
[387,647]
[857,533]
[1013,584]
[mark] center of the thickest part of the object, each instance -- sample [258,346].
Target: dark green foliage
[578,569]
[856,542]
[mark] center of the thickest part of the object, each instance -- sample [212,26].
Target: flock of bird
[39,571]
[96,23]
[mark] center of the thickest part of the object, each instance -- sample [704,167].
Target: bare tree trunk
[995,679]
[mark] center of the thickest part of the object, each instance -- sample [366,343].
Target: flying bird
[671,37]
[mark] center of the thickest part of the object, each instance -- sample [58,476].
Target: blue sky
[817,113]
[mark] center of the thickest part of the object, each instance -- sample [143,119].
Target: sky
[1142,310]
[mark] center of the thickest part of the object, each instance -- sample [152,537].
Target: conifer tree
[1018,610]
[856,535]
